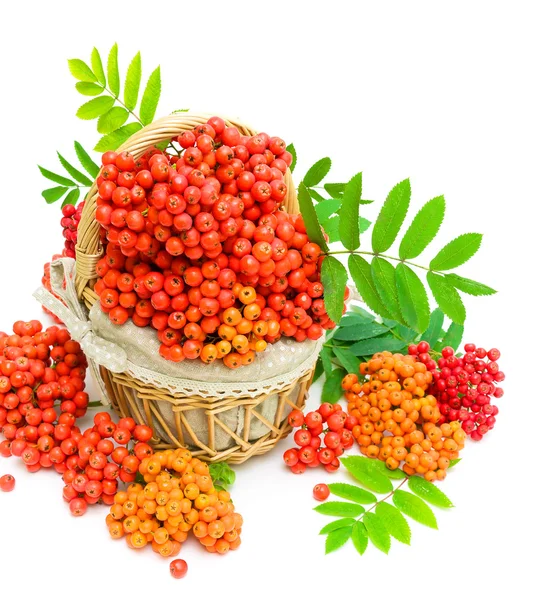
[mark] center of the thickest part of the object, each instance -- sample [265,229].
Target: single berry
[321,492]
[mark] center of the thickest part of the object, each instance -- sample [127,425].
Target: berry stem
[135,115]
[124,106]
[96,404]
[389,495]
[406,262]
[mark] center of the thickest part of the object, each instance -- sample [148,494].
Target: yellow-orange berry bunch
[178,497]
[398,421]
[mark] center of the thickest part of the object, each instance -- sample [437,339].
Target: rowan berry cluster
[41,394]
[464,386]
[179,497]
[198,247]
[102,456]
[328,425]
[397,420]
[69,222]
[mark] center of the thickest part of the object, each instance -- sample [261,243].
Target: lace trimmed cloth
[134,350]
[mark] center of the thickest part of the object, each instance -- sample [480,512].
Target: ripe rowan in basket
[179,497]
[198,247]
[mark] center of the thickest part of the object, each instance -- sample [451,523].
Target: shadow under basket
[183,421]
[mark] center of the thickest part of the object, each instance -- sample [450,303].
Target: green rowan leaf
[457,252]
[352,492]
[336,539]
[75,173]
[355,317]
[454,461]
[429,492]
[366,475]
[361,273]
[335,190]
[377,344]
[413,300]
[72,197]
[133,80]
[325,357]
[114,140]
[290,148]
[56,178]
[332,390]
[383,275]
[349,213]
[52,195]
[95,108]
[433,333]
[339,509]
[469,286]
[310,218]
[81,71]
[447,298]
[391,217]
[332,229]
[359,310]
[338,524]
[334,278]
[112,119]
[315,195]
[151,97]
[326,209]
[415,508]
[359,331]
[380,466]
[423,228]
[318,370]
[97,67]
[88,89]
[113,75]
[359,537]
[453,337]
[317,172]
[377,532]
[86,161]
[394,522]
[347,359]
[364,224]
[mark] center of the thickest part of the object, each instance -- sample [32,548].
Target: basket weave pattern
[161,409]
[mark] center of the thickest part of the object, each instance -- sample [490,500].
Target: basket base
[231,430]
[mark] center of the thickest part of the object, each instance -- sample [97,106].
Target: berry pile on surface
[464,386]
[69,222]
[100,457]
[41,394]
[179,497]
[312,434]
[198,247]
[397,420]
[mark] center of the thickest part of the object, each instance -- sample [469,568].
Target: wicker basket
[161,409]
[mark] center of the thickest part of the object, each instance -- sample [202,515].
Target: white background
[453,95]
